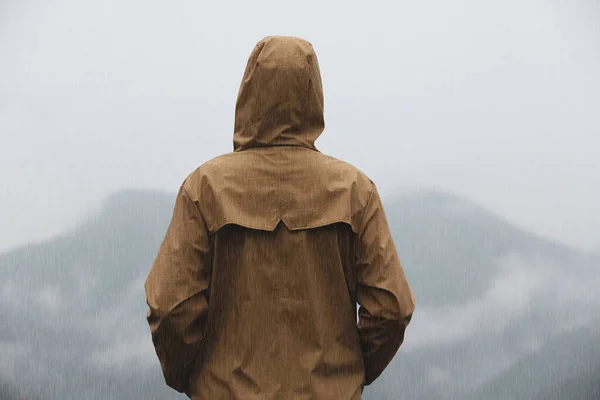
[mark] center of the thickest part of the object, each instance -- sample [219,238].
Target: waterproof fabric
[254,291]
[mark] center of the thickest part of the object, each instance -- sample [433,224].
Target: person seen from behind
[270,249]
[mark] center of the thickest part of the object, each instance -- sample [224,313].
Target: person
[254,290]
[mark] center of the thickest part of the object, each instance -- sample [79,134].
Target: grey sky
[496,101]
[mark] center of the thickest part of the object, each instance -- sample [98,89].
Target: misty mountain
[572,360]
[76,307]
[580,387]
[490,296]
[449,242]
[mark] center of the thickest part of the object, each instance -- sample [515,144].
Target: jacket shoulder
[302,189]
[210,169]
[346,168]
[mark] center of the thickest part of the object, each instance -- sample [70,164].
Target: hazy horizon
[494,102]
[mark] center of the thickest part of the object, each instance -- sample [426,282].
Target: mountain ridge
[76,307]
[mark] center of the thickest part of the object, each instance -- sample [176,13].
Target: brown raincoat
[254,290]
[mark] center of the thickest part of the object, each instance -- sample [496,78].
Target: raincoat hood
[280,101]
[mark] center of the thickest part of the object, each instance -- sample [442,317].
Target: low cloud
[125,331]
[10,293]
[50,298]
[510,295]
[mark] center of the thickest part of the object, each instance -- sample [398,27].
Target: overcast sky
[495,101]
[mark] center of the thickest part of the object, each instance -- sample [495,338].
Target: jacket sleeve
[386,302]
[177,292]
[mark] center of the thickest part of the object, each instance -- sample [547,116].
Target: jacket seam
[271,229]
[362,221]
[362,224]
[195,204]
